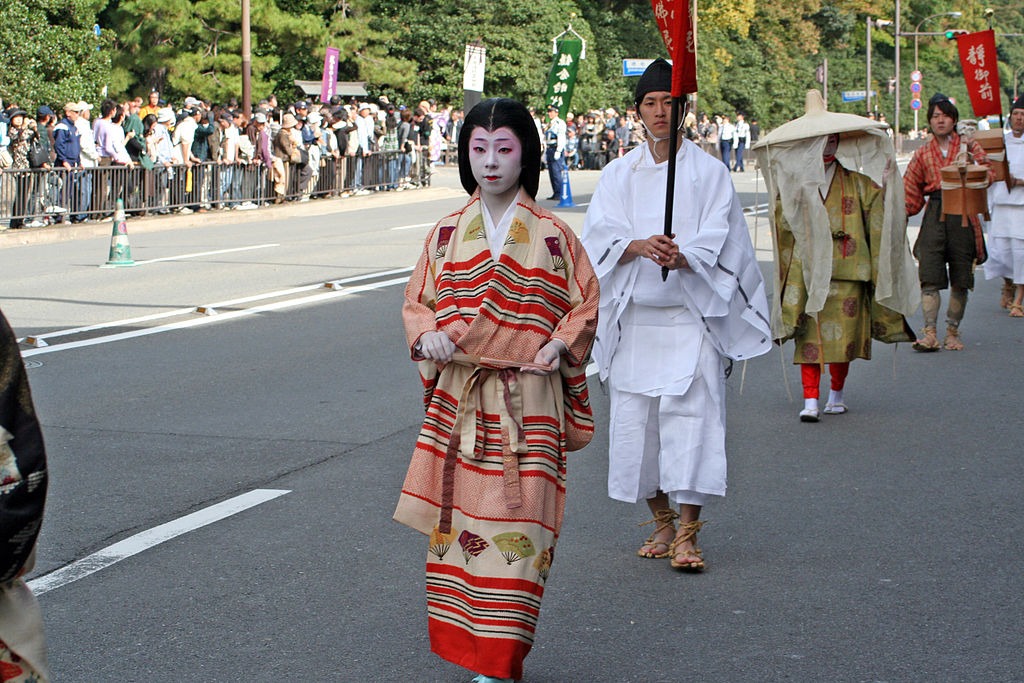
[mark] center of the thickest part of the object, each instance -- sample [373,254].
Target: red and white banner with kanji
[677,31]
[981,72]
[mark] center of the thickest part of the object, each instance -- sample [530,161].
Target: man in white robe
[662,345]
[1006,229]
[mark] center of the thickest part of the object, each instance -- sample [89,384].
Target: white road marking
[196,322]
[411,227]
[152,537]
[38,340]
[205,253]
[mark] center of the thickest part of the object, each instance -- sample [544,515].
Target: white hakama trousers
[1005,259]
[668,442]
[1005,243]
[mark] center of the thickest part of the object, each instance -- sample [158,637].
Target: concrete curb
[319,207]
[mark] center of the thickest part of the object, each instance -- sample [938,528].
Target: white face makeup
[496,159]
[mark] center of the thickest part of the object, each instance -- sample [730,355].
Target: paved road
[877,546]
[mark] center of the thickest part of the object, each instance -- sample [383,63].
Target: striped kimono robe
[487,479]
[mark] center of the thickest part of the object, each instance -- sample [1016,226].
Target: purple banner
[329,83]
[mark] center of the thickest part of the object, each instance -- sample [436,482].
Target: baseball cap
[301,105]
[44,111]
[260,117]
[72,106]
[83,105]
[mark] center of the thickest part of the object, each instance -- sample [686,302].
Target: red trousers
[810,373]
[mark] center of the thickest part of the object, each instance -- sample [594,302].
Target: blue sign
[915,104]
[856,95]
[636,67]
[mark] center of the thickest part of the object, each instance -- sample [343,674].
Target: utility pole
[246,61]
[896,110]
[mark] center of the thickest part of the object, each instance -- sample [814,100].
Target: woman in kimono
[23,480]
[500,313]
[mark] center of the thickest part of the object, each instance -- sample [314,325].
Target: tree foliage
[756,57]
[50,52]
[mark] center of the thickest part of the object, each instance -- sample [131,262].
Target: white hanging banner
[475,61]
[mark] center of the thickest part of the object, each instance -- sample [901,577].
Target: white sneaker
[362,192]
[35,224]
[55,209]
[246,206]
[809,415]
[184,210]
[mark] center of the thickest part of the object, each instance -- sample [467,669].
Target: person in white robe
[1006,229]
[662,345]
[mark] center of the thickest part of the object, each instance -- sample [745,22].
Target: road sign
[635,67]
[915,76]
[915,87]
[915,104]
[856,95]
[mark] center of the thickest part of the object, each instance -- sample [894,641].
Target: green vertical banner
[562,78]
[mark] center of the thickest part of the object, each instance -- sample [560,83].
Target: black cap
[656,78]
[1018,103]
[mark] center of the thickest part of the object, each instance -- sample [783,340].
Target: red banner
[981,72]
[676,27]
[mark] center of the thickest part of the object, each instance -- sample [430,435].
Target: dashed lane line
[230,315]
[145,540]
[205,253]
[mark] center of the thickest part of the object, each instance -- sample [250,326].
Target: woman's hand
[436,346]
[550,355]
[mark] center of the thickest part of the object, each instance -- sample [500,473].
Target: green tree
[50,52]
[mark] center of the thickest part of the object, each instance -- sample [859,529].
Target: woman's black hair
[495,113]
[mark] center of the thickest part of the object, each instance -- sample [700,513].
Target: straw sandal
[1016,311]
[928,342]
[952,341]
[663,520]
[693,562]
[1006,297]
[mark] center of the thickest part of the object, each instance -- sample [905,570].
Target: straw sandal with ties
[693,562]
[664,520]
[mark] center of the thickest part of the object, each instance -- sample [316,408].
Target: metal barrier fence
[35,197]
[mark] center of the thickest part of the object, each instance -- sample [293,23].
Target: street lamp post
[878,23]
[955,15]
[896,108]
[917,33]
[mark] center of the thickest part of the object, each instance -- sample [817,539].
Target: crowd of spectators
[597,136]
[198,156]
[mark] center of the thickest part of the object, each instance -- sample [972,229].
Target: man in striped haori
[500,312]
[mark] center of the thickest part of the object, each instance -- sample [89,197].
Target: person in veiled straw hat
[844,274]
[946,250]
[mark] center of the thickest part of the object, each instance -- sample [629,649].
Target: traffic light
[953,33]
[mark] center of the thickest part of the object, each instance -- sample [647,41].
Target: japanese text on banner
[981,72]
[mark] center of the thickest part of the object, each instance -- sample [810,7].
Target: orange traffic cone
[120,249]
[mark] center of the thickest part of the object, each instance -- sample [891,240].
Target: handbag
[37,154]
